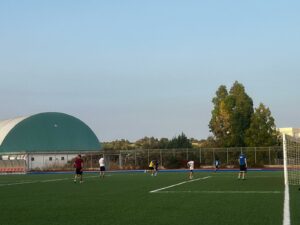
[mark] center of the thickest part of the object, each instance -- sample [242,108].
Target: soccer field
[138,198]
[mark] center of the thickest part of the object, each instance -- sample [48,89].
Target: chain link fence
[203,157]
[140,159]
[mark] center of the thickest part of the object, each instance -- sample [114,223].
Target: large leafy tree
[262,131]
[220,121]
[231,115]
[240,107]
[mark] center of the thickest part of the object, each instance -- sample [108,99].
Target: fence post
[120,160]
[255,155]
[226,156]
[135,158]
[43,161]
[187,154]
[269,156]
[200,156]
[91,161]
[161,159]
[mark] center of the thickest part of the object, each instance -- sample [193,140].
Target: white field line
[220,192]
[41,181]
[286,206]
[174,185]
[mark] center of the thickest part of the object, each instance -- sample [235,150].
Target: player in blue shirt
[243,166]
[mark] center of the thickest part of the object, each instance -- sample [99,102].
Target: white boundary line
[221,192]
[41,181]
[174,185]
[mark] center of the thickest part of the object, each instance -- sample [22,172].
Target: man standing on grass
[190,164]
[78,164]
[102,166]
[156,167]
[243,166]
[217,165]
[150,168]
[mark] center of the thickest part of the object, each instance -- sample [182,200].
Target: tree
[163,143]
[262,131]
[231,115]
[118,145]
[148,143]
[220,122]
[181,141]
[240,107]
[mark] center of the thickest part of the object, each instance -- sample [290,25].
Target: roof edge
[7,125]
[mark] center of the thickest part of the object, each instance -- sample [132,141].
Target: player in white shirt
[102,166]
[190,164]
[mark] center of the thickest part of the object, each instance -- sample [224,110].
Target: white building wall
[48,161]
[294,132]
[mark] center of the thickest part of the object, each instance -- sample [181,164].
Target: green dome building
[49,135]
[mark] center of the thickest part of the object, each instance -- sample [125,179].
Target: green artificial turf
[124,198]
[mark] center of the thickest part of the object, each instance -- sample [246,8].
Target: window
[50,158]
[62,158]
[32,158]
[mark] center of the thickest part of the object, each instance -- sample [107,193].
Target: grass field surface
[138,198]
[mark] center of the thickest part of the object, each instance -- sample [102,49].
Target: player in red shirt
[78,164]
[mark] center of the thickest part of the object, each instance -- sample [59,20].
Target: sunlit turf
[124,198]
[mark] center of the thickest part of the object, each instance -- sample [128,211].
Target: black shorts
[102,168]
[79,171]
[243,168]
[151,168]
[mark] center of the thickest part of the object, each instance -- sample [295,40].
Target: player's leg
[103,172]
[240,173]
[76,175]
[243,175]
[80,174]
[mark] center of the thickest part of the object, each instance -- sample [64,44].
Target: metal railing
[167,158]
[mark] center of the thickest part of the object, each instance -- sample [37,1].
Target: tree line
[180,141]
[234,123]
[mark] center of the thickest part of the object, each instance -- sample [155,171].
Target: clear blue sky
[131,69]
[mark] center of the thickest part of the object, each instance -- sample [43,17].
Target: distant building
[45,140]
[294,132]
